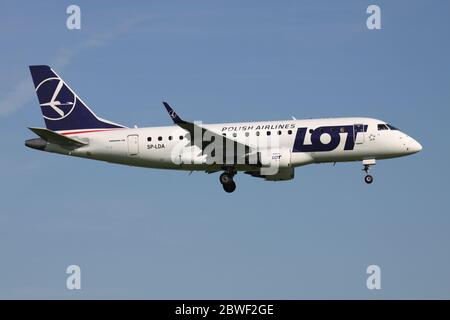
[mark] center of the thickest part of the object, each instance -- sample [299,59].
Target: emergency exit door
[133,145]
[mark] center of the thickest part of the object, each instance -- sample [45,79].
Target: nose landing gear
[367,163]
[226,179]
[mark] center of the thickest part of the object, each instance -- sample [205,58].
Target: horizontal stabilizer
[58,139]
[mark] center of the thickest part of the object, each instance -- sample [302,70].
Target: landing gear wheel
[229,187]
[368,179]
[226,178]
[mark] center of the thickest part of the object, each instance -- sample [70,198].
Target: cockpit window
[382,126]
[392,127]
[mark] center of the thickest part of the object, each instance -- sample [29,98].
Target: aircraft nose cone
[415,146]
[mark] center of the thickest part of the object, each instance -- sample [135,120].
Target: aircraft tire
[229,187]
[226,178]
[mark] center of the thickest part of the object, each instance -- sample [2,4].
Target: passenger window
[235,134]
[382,126]
[170,137]
[279,132]
[159,138]
[149,139]
[181,137]
[247,134]
[268,133]
[257,133]
[289,131]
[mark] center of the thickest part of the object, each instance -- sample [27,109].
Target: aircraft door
[133,145]
[358,133]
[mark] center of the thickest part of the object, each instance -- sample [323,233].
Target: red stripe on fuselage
[86,131]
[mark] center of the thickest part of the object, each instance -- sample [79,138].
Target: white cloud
[19,96]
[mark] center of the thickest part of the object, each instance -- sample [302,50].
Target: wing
[194,129]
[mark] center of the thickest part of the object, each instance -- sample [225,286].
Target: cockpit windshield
[386,126]
[391,127]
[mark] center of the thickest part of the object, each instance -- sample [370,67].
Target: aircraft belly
[341,155]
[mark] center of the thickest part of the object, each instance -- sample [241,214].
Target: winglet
[173,114]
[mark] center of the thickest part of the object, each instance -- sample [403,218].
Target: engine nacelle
[276,164]
[280,175]
[279,158]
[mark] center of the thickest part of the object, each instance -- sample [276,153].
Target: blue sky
[142,233]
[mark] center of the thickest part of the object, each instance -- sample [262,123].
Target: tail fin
[61,107]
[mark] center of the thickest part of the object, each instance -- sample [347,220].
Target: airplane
[270,150]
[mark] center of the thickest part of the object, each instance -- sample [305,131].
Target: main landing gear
[226,179]
[367,163]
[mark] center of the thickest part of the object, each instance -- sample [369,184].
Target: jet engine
[280,158]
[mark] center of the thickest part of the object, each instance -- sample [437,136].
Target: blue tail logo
[61,108]
[54,109]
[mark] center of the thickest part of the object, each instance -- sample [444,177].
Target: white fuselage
[162,147]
